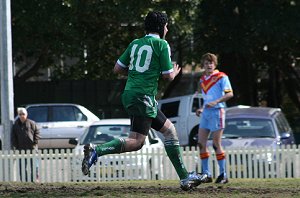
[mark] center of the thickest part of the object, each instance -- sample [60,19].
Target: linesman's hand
[199,111]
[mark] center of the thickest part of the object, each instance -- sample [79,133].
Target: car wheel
[193,139]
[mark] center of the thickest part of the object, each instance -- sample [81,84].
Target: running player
[216,89]
[144,61]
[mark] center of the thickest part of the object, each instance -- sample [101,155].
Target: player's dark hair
[155,22]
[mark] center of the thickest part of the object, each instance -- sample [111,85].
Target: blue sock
[205,166]
[222,164]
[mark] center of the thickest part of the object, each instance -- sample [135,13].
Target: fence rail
[65,165]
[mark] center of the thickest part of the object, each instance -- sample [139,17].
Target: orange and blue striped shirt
[215,86]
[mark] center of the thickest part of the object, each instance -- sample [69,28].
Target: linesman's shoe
[221,179]
[194,179]
[90,158]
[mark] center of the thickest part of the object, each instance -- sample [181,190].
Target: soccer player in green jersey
[144,61]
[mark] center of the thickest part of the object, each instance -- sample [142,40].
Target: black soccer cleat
[221,179]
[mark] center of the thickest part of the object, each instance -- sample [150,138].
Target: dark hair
[155,22]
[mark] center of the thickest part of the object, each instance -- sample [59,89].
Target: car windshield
[100,134]
[248,127]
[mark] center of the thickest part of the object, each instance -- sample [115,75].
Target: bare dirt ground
[145,189]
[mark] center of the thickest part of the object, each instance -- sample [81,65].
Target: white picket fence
[65,165]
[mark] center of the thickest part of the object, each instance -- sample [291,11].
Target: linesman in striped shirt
[216,90]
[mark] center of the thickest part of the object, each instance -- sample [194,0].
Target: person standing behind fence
[216,89]
[25,136]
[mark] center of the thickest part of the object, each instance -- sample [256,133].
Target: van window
[38,114]
[197,103]
[170,109]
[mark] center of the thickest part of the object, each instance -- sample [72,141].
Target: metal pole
[6,75]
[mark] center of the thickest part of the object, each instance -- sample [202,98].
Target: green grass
[236,188]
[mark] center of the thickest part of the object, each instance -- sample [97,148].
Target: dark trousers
[27,161]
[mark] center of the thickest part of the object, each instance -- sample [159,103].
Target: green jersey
[146,58]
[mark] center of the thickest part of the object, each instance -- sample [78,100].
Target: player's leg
[203,134]
[166,127]
[217,133]
[140,114]
[220,154]
[173,150]
[139,129]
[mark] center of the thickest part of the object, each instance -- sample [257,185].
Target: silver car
[247,126]
[141,165]
[254,127]
[58,122]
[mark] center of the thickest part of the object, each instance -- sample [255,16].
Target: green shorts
[137,104]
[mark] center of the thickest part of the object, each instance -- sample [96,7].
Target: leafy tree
[37,26]
[82,39]
[257,42]
[85,35]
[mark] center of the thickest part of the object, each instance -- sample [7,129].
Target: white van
[181,111]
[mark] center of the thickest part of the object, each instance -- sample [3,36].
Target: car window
[79,116]
[248,127]
[67,113]
[105,133]
[62,113]
[38,114]
[170,109]
[282,123]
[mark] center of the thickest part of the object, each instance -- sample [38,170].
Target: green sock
[117,145]
[175,155]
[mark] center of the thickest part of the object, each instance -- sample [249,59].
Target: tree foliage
[257,41]
[258,45]
[82,39]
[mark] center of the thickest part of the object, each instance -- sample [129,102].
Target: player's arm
[200,110]
[173,73]
[122,64]
[227,90]
[120,68]
[224,98]
[169,70]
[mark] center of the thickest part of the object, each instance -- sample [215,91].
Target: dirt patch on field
[158,190]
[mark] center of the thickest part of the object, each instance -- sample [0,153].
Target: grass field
[236,188]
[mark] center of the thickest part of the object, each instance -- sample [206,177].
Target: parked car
[107,129]
[251,128]
[247,126]
[58,122]
[181,111]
